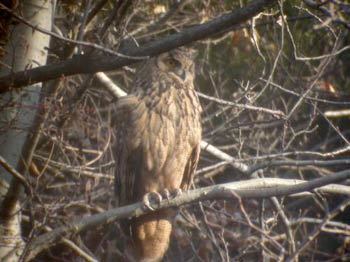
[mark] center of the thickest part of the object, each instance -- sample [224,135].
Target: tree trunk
[26,48]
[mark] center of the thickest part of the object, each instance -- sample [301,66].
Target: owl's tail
[151,235]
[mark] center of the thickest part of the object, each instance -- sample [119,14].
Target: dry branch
[254,188]
[85,64]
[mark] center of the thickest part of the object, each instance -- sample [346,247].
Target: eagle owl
[158,133]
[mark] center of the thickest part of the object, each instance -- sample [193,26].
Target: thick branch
[84,64]
[254,188]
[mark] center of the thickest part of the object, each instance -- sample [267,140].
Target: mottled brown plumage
[158,136]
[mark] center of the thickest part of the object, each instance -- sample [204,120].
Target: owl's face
[177,64]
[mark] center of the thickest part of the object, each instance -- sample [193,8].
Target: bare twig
[77,65]
[255,188]
[311,237]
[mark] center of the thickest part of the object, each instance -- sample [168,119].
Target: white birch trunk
[27,48]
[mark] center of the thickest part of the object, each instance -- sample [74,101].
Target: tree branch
[85,64]
[254,188]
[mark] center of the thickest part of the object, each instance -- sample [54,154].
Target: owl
[158,134]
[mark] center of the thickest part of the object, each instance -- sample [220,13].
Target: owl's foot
[170,194]
[176,192]
[165,193]
[151,199]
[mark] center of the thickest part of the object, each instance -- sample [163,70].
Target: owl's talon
[170,194]
[166,194]
[176,192]
[151,198]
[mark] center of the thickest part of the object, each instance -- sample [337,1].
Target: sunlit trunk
[26,48]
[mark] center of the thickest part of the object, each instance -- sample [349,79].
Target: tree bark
[26,49]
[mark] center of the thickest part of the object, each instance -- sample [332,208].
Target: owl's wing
[126,150]
[190,168]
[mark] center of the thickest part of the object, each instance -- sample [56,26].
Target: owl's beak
[180,75]
[183,75]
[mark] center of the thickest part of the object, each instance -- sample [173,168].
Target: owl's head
[177,63]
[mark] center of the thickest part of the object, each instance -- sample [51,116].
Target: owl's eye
[173,62]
